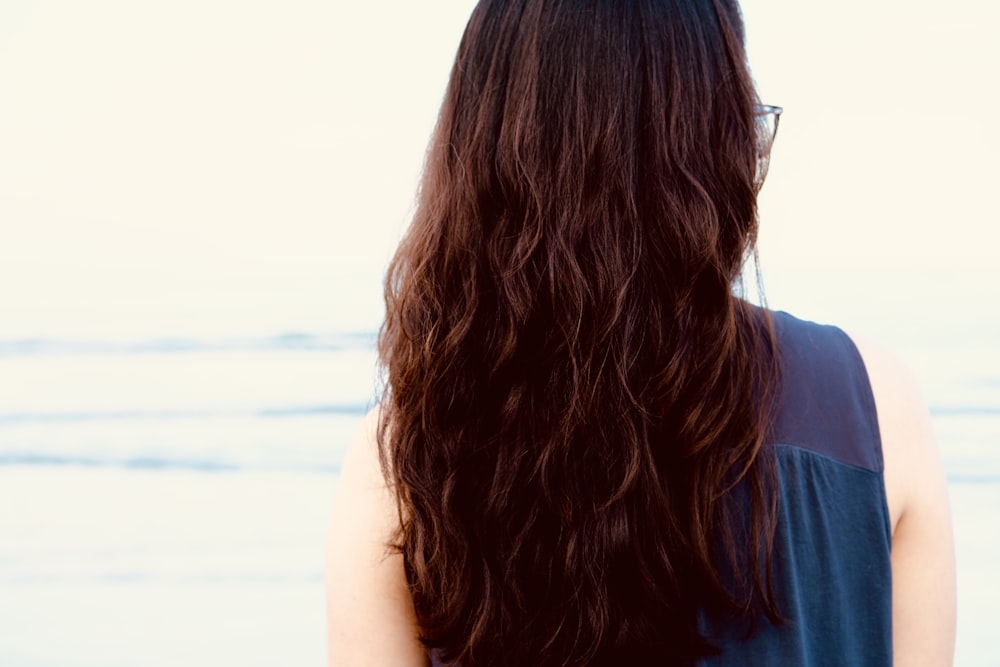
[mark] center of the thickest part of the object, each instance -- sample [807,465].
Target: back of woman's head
[573,391]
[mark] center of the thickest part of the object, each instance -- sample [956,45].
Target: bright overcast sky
[207,166]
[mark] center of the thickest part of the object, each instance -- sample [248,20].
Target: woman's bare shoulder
[908,445]
[370,617]
[923,559]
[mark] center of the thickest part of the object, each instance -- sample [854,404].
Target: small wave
[965,410]
[302,411]
[344,341]
[986,479]
[153,463]
[200,580]
[348,409]
[142,463]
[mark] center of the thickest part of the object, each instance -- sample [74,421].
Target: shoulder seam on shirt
[826,457]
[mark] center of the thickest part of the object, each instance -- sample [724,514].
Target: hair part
[577,400]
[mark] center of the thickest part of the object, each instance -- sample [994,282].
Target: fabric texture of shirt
[831,571]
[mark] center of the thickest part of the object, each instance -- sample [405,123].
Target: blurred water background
[197,200]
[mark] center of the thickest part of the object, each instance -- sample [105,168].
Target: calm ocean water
[164,501]
[168,453]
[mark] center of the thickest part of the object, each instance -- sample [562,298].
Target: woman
[590,450]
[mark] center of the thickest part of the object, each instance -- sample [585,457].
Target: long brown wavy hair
[575,398]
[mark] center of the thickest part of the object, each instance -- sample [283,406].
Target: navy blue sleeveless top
[832,571]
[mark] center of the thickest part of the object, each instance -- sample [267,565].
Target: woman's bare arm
[370,618]
[923,553]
